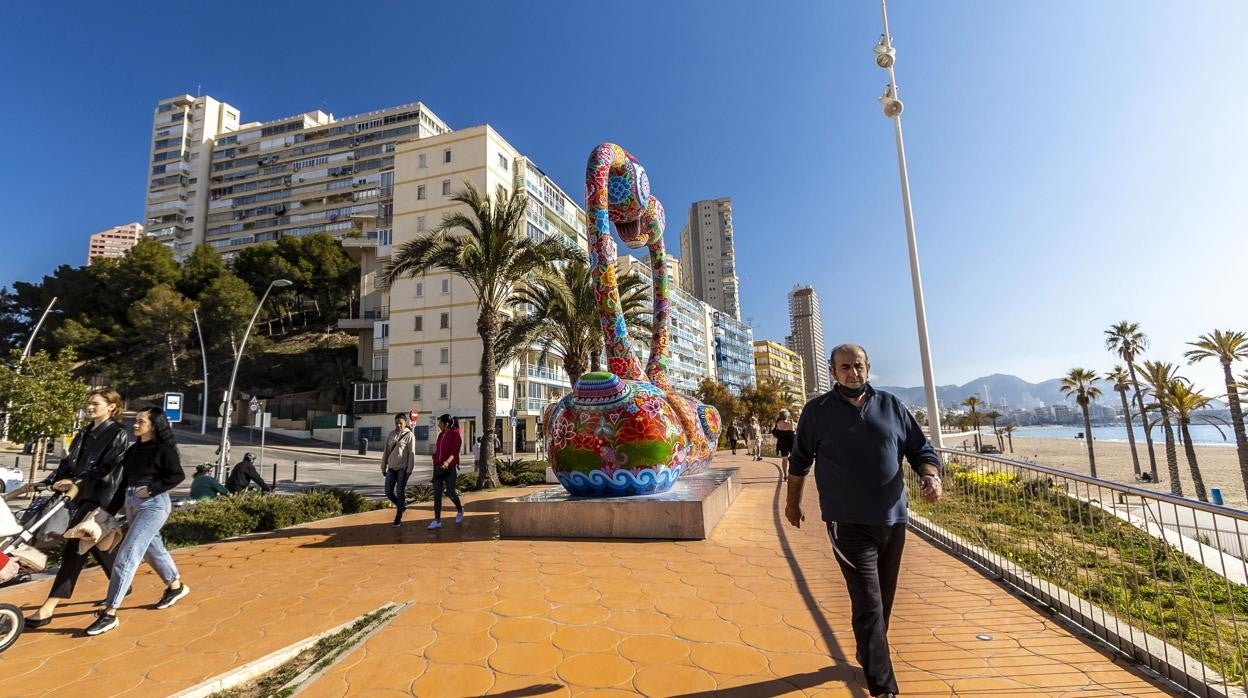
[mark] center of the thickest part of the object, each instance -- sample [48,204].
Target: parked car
[10,478]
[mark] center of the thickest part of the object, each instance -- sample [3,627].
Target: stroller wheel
[11,624]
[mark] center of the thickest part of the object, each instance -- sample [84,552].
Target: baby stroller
[18,556]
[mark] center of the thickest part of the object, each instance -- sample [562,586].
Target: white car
[10,478]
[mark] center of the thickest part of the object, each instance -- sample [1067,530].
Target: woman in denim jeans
[150,469]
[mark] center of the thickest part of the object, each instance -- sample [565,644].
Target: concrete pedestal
[689,511]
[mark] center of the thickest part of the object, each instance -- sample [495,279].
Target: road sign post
[173,407]
[342,428]
[266,419]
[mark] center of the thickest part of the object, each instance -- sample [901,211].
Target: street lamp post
[227,413]
[25,353]
[203,354]
[885,56]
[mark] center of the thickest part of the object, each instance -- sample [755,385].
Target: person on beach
[445,467]
[756,439]
[855,437]
[90,474]
[398,459]
[150,469]
[783,432]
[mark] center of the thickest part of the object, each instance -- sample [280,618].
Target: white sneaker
[459,516]
[435,524]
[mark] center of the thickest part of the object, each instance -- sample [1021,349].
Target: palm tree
[1009,430]
[1079,382]
[1183,401]
[567,313]
[1227,347]
[972,402]
[1122,383]
[484,246]
[1158,376]
[1127,341]
[994,416]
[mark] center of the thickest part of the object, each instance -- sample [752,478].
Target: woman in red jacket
[445,463]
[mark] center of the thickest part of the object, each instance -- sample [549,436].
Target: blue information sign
[173,407]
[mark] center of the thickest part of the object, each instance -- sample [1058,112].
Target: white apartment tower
[806,338]
[708,264]
[114,242]
[215,180]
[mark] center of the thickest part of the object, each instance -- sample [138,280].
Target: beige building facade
[114,242]
[777,363]
[708,266]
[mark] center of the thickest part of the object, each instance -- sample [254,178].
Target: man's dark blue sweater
[857,454]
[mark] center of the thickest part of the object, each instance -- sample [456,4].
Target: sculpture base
[688,511]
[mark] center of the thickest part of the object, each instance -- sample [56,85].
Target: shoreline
[1219,466]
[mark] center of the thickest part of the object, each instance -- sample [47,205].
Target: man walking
[855,436]
[398,459]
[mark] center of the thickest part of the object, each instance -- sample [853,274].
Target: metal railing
[552,374]
[1154,575]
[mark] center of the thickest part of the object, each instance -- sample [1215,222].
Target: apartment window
[446,156]
[418,357]
[445,321]
[420,289]
[422,164]
[420,222]
[446,187]
[420,192]
[419,324]
[446,285]
[416,393]
[503,163]
[443,391]
[504,391]
[444,355]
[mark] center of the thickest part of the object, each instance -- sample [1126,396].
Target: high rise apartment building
[708,265]
[215,180]
[733,348]
[776,363]
[806,338]
[114,242]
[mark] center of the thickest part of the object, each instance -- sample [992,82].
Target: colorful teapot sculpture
[625,432]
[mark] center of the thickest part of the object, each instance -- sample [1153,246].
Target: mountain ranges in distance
[1016,392]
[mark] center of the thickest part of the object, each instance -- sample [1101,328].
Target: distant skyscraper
[114,242]
[708,267]
[806,325]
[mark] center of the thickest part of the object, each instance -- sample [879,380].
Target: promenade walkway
[759,609]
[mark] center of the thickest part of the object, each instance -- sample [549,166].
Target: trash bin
[363,449]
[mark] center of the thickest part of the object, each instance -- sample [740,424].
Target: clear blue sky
[1072,163]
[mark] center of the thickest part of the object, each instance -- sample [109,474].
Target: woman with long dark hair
[149,470]
[90,473]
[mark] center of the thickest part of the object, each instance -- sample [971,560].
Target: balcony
[358,319]
[370,397]
[381,343]
[534,405]
[546,373]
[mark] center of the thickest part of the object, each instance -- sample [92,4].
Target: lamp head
[283,282]
[885,54]
[892,106]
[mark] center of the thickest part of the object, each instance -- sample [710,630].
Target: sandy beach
[1219,465]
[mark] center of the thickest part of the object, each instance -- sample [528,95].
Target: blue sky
[1072,164]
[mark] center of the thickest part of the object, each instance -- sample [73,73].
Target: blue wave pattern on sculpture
[621,483]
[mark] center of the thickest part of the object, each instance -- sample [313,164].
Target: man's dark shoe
[33,622]
[103,623]
[172,596]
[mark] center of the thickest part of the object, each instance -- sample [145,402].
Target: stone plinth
[689,510]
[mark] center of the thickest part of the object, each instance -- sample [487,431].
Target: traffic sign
[173,407]
[255,405]
[412,414]
[342,420]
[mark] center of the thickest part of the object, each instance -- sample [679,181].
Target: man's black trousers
[870,558]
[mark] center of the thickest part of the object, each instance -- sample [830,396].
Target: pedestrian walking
[150,468]
[735,434]
[855,436]
[243,474]
[91,474]
[398,459]
[756,439]
[204,485]
[783,432]
[445,469]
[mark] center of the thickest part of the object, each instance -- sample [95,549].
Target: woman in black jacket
[149,470]
[93,467]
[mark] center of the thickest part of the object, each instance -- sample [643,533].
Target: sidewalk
[759,609]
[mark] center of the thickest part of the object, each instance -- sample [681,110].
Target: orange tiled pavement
[759,609]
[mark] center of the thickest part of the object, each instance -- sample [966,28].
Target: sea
[1204,434]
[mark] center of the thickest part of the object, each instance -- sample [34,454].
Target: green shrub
[532,478]
[352,502]
[466,482]
[420,492]
[208,521]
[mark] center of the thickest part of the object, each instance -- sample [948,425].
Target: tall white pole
[920,312]
[229,392]
[203,353]
[30,342]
